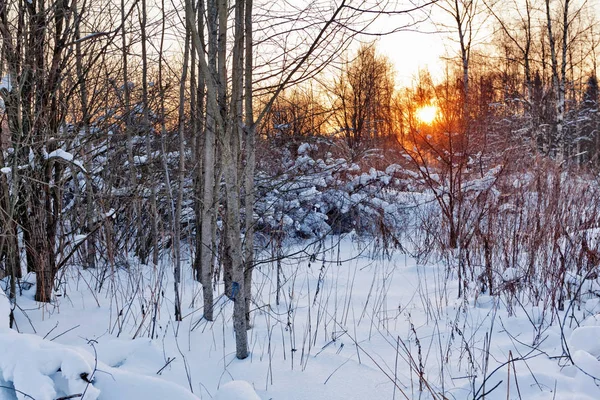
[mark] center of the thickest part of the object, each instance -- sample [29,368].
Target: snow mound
[117,352]
[305,148]
[237,390]
[537,315]
[66,156]
[592,306]
[585,338]
[60,153]
[591,320]
[117,384]
[33,367]
[485,301]
[44,370]
[587,362]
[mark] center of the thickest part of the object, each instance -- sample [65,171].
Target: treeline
[533,81]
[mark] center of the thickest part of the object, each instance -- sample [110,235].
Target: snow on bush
[312,197]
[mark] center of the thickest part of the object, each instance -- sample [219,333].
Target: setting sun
[427,114]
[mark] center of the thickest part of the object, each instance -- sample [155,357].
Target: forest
[243,196]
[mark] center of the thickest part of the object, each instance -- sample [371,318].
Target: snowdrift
[35,368]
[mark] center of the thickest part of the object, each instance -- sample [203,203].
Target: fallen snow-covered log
[43,370]
[35,368]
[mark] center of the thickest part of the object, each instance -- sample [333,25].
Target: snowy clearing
[365,327]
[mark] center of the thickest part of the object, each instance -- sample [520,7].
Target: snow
[79,238]
[44,370]
[510,274]
[311,192]
[5,83]
[237,390]
[38,368]
[30,363]
[4,310]
[302,199]
[66,156]
[304,148]
[116,384]
[343,330]
[587,365]
[60,153]
[586,338]
[393,169]
[112,213]
[139,160]
[592,306]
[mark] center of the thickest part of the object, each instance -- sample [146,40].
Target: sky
[418,47]
[411,51]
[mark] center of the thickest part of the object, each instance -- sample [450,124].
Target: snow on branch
[67,157]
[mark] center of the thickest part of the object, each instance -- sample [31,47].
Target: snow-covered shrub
[311,197]
[524,229]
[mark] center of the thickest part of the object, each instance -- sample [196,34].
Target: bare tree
[35,115]
[363,94]
[464,15]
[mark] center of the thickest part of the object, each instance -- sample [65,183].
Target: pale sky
[418,47]
[411,51]
[421,47]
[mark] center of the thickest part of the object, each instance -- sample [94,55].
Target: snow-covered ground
[349,326]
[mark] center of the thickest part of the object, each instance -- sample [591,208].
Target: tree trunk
[232,185]
[250,164]
[561,105]
[180,177]
[90,242]
[39,246]
[557,134]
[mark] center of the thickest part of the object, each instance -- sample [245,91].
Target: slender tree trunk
[9,244]
[250,163]
[180,177]
[232,185]
[90,244]
[173,221]
[228,133]
[557,134]
[135,211]
[148,132]
[39,243]
[208,207]
[561,105]
[197,126]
